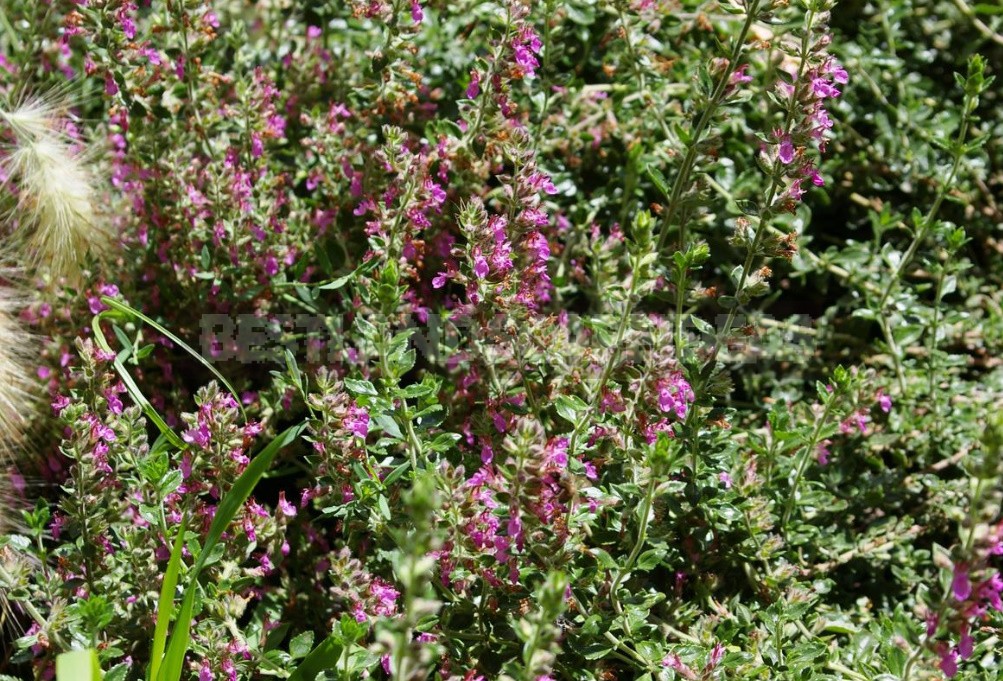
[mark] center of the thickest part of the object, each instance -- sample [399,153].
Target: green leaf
[170,482]
[596,651]
[165,604]
[119,672]
[389,426]
[337,283]
[78,665]
[656,177]
[649,560]
[228,507]
[841,626]
[568,406]
[360,387]
[728,302]
[986,8]
[325,656]
[301,645]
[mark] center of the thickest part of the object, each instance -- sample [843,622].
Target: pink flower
[823,452]
[556,454]
[198,436]
[59,403]
[525,59]
[967,644]
[837,72]
[151,54]
[673,662]
[440,280]
[786,151]
[386,596]
[95,305]
[287,509]
[357,422]
[961,585]
[795,191]
[474,88]
[716,655]
[229,669]
[738,77]
[990,591]
[480,264]
[949,663]
[932,621]
[858,419]
[435,190]
[416,14]
[126,22]
[823,88]
[675,396]
[884,401]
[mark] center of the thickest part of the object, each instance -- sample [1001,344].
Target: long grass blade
[78,665]
[119,306]
[232,501]
[134,392]
[165,604]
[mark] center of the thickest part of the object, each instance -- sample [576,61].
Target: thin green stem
[8,29]
[621,331]
[934,328]
[806,456]
[762,227]
[30,609]
[683,176]
[923,229]
[642,535]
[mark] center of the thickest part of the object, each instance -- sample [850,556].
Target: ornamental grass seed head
[31,116]
[55,225]
[17,386]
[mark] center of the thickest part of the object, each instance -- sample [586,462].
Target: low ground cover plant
[407,339]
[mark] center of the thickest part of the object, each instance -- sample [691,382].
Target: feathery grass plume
[17,385]
[56,223]
[31,116]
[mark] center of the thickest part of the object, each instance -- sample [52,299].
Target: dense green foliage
[469,340]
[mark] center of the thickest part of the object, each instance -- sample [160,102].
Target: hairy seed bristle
[17,386]
[58,226]
[32,116]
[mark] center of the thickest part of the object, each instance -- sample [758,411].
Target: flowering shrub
[473,340]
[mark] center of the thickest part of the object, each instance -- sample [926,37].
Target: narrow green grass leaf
[325,656]
[119,306]
[232,501]
[165,604]
[78,665]
[130,385]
